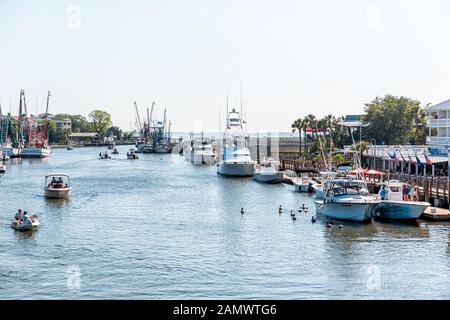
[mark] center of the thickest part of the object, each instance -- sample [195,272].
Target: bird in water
[294,217]
[341,226]
[313,219]
[242,210]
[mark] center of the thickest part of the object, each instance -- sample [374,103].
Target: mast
[150,121]
[46,115]
[138,118]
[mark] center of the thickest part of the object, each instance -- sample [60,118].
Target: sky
[291,58]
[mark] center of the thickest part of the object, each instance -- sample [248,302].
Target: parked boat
[346,200]
[200,151]
[236,160]
[392,205]
[57,186]
[31,223]
[304,184]
[104,155]
[268,172]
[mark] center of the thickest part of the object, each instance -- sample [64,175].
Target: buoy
[242,210]
[313,219]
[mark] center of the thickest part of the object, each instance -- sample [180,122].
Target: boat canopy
[57,175]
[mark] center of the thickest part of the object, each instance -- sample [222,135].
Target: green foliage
[395,120]
[101,120]
[338,158]
[79,123]
[116,131]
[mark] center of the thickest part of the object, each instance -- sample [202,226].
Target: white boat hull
[268,178]
[54,193]
[391,209]
[35,152]
[202,158]
[358,212]
[26,226]
[235,169]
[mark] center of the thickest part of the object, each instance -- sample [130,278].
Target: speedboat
[394,207]
[57,186]
[346,199]
[304,184]
[31,223]
[131,155]
[69,147]
[268,172]
[2,168]
[236,160]
[115,151]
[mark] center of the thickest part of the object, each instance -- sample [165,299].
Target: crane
[138,118]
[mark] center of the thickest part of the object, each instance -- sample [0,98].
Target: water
[158,228]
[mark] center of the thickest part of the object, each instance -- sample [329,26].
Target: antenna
[227,108]
[242,113]
[220,128]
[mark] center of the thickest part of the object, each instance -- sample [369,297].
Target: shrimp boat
[394,207]
[347,199]
[236,160]
[57,186]
[268,172]
[30,224]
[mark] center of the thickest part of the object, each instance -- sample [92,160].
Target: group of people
[57,184]
[21,216]
[408,192]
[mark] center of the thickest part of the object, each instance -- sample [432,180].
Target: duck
[280,209]
[313,219]
[294,217]
[242,210]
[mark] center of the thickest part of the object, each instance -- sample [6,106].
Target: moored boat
[346,200]
[29,224]
[393,205]
[268,172]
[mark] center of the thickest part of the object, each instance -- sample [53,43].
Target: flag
[419,163]
[403,158]
[428,160]
[411,160]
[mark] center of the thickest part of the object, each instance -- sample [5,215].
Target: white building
[438,123]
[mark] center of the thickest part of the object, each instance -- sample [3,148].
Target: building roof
[445,105]
[353,120]
[84,135]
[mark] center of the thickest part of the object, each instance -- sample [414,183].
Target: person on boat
[382,193]
[100,155]
[60,183]
[405,192]
[18,216]
[415,195]
[25,217]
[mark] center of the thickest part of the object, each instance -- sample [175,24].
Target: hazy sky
[293,57]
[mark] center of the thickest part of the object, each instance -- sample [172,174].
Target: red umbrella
[373,172]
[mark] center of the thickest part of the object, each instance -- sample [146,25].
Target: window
[443,114]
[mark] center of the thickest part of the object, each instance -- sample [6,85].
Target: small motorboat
[131,155]
[104,156]
[69,147]
[268,172]
[57,186]
[115,151]
[2,168]
[31,223]
[3,156]
[304,184]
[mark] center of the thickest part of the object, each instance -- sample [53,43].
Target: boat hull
[202,158]
[268,178]
[358,212]
[35,153]
[400,210]
[25,226]
[235,169]
[57,193]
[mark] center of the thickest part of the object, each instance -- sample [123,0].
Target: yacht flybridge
[236,160]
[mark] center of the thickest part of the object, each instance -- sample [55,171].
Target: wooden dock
[436,214]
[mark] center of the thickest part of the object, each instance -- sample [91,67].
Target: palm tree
[298,126]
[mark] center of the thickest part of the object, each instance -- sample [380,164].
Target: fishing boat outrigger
[57,185]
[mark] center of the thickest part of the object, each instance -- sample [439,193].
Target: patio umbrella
[372,172]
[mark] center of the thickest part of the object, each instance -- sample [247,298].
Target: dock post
[426,190]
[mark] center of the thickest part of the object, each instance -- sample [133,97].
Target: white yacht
[346,200]
[268,172]
[236,160]
[394,207]
[201,152]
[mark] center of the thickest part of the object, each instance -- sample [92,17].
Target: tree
[101,120]
[298,126]
[395,120]
[338,158]
[115,131]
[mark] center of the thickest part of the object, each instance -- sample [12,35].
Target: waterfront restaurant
[438,124]
[411,160]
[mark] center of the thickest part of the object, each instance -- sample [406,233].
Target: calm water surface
[161,228]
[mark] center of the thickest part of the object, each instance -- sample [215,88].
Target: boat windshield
[350,188]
